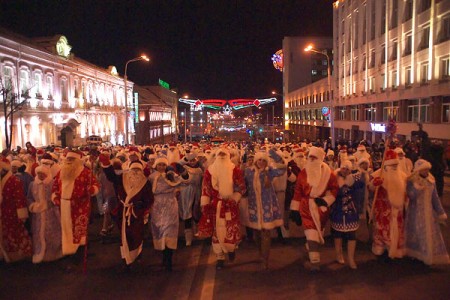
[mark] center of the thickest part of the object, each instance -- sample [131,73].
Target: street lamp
[310,48]
[142,57]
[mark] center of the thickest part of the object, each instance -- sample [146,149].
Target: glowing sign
[378,127]
[62,47]
[325,111]
[163,84]
[277,60]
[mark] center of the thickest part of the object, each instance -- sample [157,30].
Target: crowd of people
[224,192]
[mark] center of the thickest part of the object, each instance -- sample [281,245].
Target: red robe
[84,186]
[15,242]
[304,201]
[383,238]
[229,209]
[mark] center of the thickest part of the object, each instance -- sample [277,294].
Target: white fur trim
[236,196]
[295,205]
[22,213]
[205,200]
[74,155]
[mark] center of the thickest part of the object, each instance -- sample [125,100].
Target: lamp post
[310,48]
[142,57]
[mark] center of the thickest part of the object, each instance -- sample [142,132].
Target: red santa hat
[74,154]
[343,149]
[40,152]
[5,164]
[47,159]
[172,145]
[421,164]
[136,165]
[317,152]
[391,158]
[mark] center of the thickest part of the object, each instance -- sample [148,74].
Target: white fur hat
[421,164]
[159,160]
[330,152]
[317,152]
[261,155]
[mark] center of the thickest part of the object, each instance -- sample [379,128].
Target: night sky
[207,49]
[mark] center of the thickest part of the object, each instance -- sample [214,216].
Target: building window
[354,113]
[64,89]
[445,67]
[444,30]
[342,113]
[408,79]
[408,10]
[390,110]
[369,112]
[394,79]
[394,15]
[383,81]
[372,84]
[418,110]
[49,81]
[372,21]
[38,84]
[313,72]
[383,18]
[24,81]
[446,110]
[383,54]
[364,19]
[424,73]
[423,5]
[394,49]
[425,39]
[408,44]
[372,58]
[7,78]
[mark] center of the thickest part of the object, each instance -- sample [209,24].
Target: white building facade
[68,99]
[391,60]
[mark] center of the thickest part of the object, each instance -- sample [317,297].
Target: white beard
[395,185]
[71,171]
[133,180]
[313,172]
[222,176]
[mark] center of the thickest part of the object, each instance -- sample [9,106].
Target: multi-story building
[68,99]
[155,114]
[305,90]
[391,60]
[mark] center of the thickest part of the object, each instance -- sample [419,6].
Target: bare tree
[11,103]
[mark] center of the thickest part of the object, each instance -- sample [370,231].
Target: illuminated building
[69,98]
[156,114]
[391,60]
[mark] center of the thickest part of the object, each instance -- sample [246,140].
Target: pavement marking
[210,278]
[188,276]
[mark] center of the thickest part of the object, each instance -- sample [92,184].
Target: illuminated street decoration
[325,111]
[218,104]
[277,60]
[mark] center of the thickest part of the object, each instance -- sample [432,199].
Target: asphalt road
[194,275]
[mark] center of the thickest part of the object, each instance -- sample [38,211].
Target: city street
[195,277]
